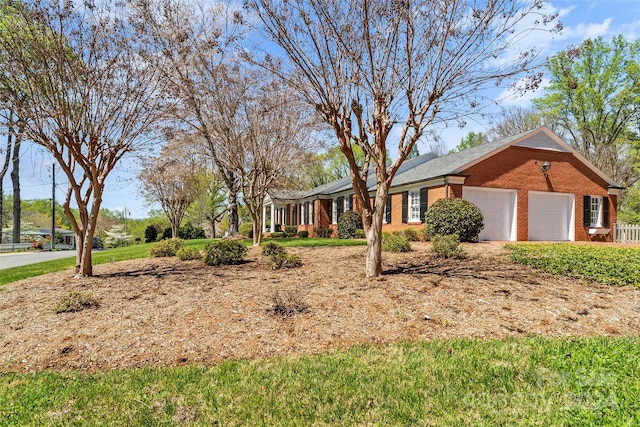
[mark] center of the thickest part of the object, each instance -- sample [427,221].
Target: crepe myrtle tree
[265,133]
[173,179]
[193,46]
[71,72]
[380,73]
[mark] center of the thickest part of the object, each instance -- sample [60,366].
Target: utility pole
[53,206]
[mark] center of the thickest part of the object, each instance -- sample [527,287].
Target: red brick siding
[519,168]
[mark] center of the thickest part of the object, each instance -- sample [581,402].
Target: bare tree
[71,72]
[3,171]
[371,67]
[515,120]
[173,180]
[264,135]
[15,179]
[193,47]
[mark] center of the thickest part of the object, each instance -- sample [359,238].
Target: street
[18,259]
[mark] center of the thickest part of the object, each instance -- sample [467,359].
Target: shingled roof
[428,166]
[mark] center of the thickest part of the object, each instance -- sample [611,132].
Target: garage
[551,216]
[498,208]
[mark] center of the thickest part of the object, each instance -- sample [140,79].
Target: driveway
[25,258]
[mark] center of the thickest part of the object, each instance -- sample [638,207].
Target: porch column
[273,218]
[264,218]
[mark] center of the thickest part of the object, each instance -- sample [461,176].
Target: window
[387,210]
[339,208]
[334,212]
[595,211]
[414,206]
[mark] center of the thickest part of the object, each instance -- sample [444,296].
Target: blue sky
[582,19]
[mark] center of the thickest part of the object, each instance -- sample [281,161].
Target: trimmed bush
[455,216]
[279,256]
[395,242]
[186,232]
[303,234]
[349,222]
[423,236]
[271,248]
[447,246]
[165,248]
[411,234]
[324,232]
[186,254]
[224,252]
[150,234]
[246,229]
[290,230]
[76,301]
[166,234]
[285,260]
[360,234]
[288,303]
[277,235]
[189,232]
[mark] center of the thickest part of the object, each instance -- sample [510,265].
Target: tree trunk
[257,227]
[213,227]
[3,172]
[373,231]
[232,212]
[175,229]
[1,210]
[86,262]
[84,232]
[15,179]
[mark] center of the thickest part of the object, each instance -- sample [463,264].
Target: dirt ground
[165,312]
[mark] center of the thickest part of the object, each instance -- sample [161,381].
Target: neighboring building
[532,186]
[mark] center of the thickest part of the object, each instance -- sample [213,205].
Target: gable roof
[428,166]
[345,184]
[453,164]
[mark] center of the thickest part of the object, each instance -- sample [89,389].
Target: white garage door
[498,209]
[551,216]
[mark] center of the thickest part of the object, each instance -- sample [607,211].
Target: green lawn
[603,264]
[142,251]
[531,381]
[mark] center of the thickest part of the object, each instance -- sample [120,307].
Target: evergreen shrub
[455,216]
[224,252]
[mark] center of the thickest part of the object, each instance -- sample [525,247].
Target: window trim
[414,206]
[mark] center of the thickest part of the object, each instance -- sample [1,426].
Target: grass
[531,381]
[602,264]
[142,251]
[99,257]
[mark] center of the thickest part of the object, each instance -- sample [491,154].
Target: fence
[625,233]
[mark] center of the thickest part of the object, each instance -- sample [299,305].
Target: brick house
[532,186]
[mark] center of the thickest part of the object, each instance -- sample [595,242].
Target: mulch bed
[165,312]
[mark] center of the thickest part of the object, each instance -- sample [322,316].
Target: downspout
[446,187]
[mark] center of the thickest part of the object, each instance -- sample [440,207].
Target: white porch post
[264,218]
[273,218]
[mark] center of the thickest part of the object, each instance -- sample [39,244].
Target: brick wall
[519,168]
[514,168]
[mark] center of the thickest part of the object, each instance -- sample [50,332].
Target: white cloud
[630,30]
[583,31]
[510,98]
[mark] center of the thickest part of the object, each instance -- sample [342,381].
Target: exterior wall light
[545,167]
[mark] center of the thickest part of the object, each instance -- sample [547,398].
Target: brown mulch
[165,312]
